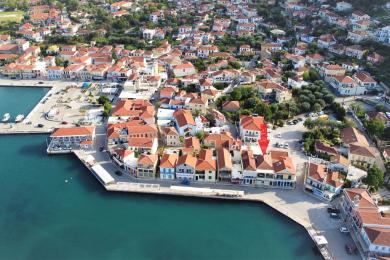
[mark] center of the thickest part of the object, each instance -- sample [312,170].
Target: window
[210,177]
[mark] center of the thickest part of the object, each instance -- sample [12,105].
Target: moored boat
[6,117]
[19,118]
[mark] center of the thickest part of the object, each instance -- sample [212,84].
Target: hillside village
[207,91]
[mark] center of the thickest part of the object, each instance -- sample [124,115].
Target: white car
[285,145]
[344,230]
[279,136]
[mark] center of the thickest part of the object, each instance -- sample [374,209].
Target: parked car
[350,248]
[334,215]
[333,210]
[344,230]
[276,144]
[185,181]
[279,136]
[64,123]
[118,172]
[40,125]
[285,145]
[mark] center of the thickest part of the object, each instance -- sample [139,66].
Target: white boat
[6,117]
[19,118]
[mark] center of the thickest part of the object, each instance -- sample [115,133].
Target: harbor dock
[300,211]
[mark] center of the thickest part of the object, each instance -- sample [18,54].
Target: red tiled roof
[73,131]
[188,160]
[251,122]
[168,161]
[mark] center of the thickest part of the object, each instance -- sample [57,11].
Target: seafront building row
[368,223]
[138,157]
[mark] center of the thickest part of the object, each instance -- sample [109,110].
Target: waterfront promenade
[295,204]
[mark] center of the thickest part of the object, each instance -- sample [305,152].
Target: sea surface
[51,207]
[19,100]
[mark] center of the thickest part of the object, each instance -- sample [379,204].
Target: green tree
[211,118]
[305,106]
[359,110]
[329,98]
[200,135]
[234,65]
[103,100]
[339,110]
[375,178]
[107,109]
[375,127]
[313,75]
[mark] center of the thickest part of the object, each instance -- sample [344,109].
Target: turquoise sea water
[19,100]
[44,217]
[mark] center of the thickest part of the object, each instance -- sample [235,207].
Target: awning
[102,174]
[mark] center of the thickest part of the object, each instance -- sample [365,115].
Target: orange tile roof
[132,107]
[142,129]
[365,202]
[207,164]
[147,159]
[188,160]
[169,131]
[232,105]
[285,163]
[141,142]
[378,236]
[251,122]
[123,153]
[351,135]
[224,159]
[187,65]
[73,131]
[184,117]
[168,160]
[362,150]
[192,142]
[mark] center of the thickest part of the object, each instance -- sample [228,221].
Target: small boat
[19,118]
[6,117]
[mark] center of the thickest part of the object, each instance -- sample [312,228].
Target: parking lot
[66,103]
[287,137]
